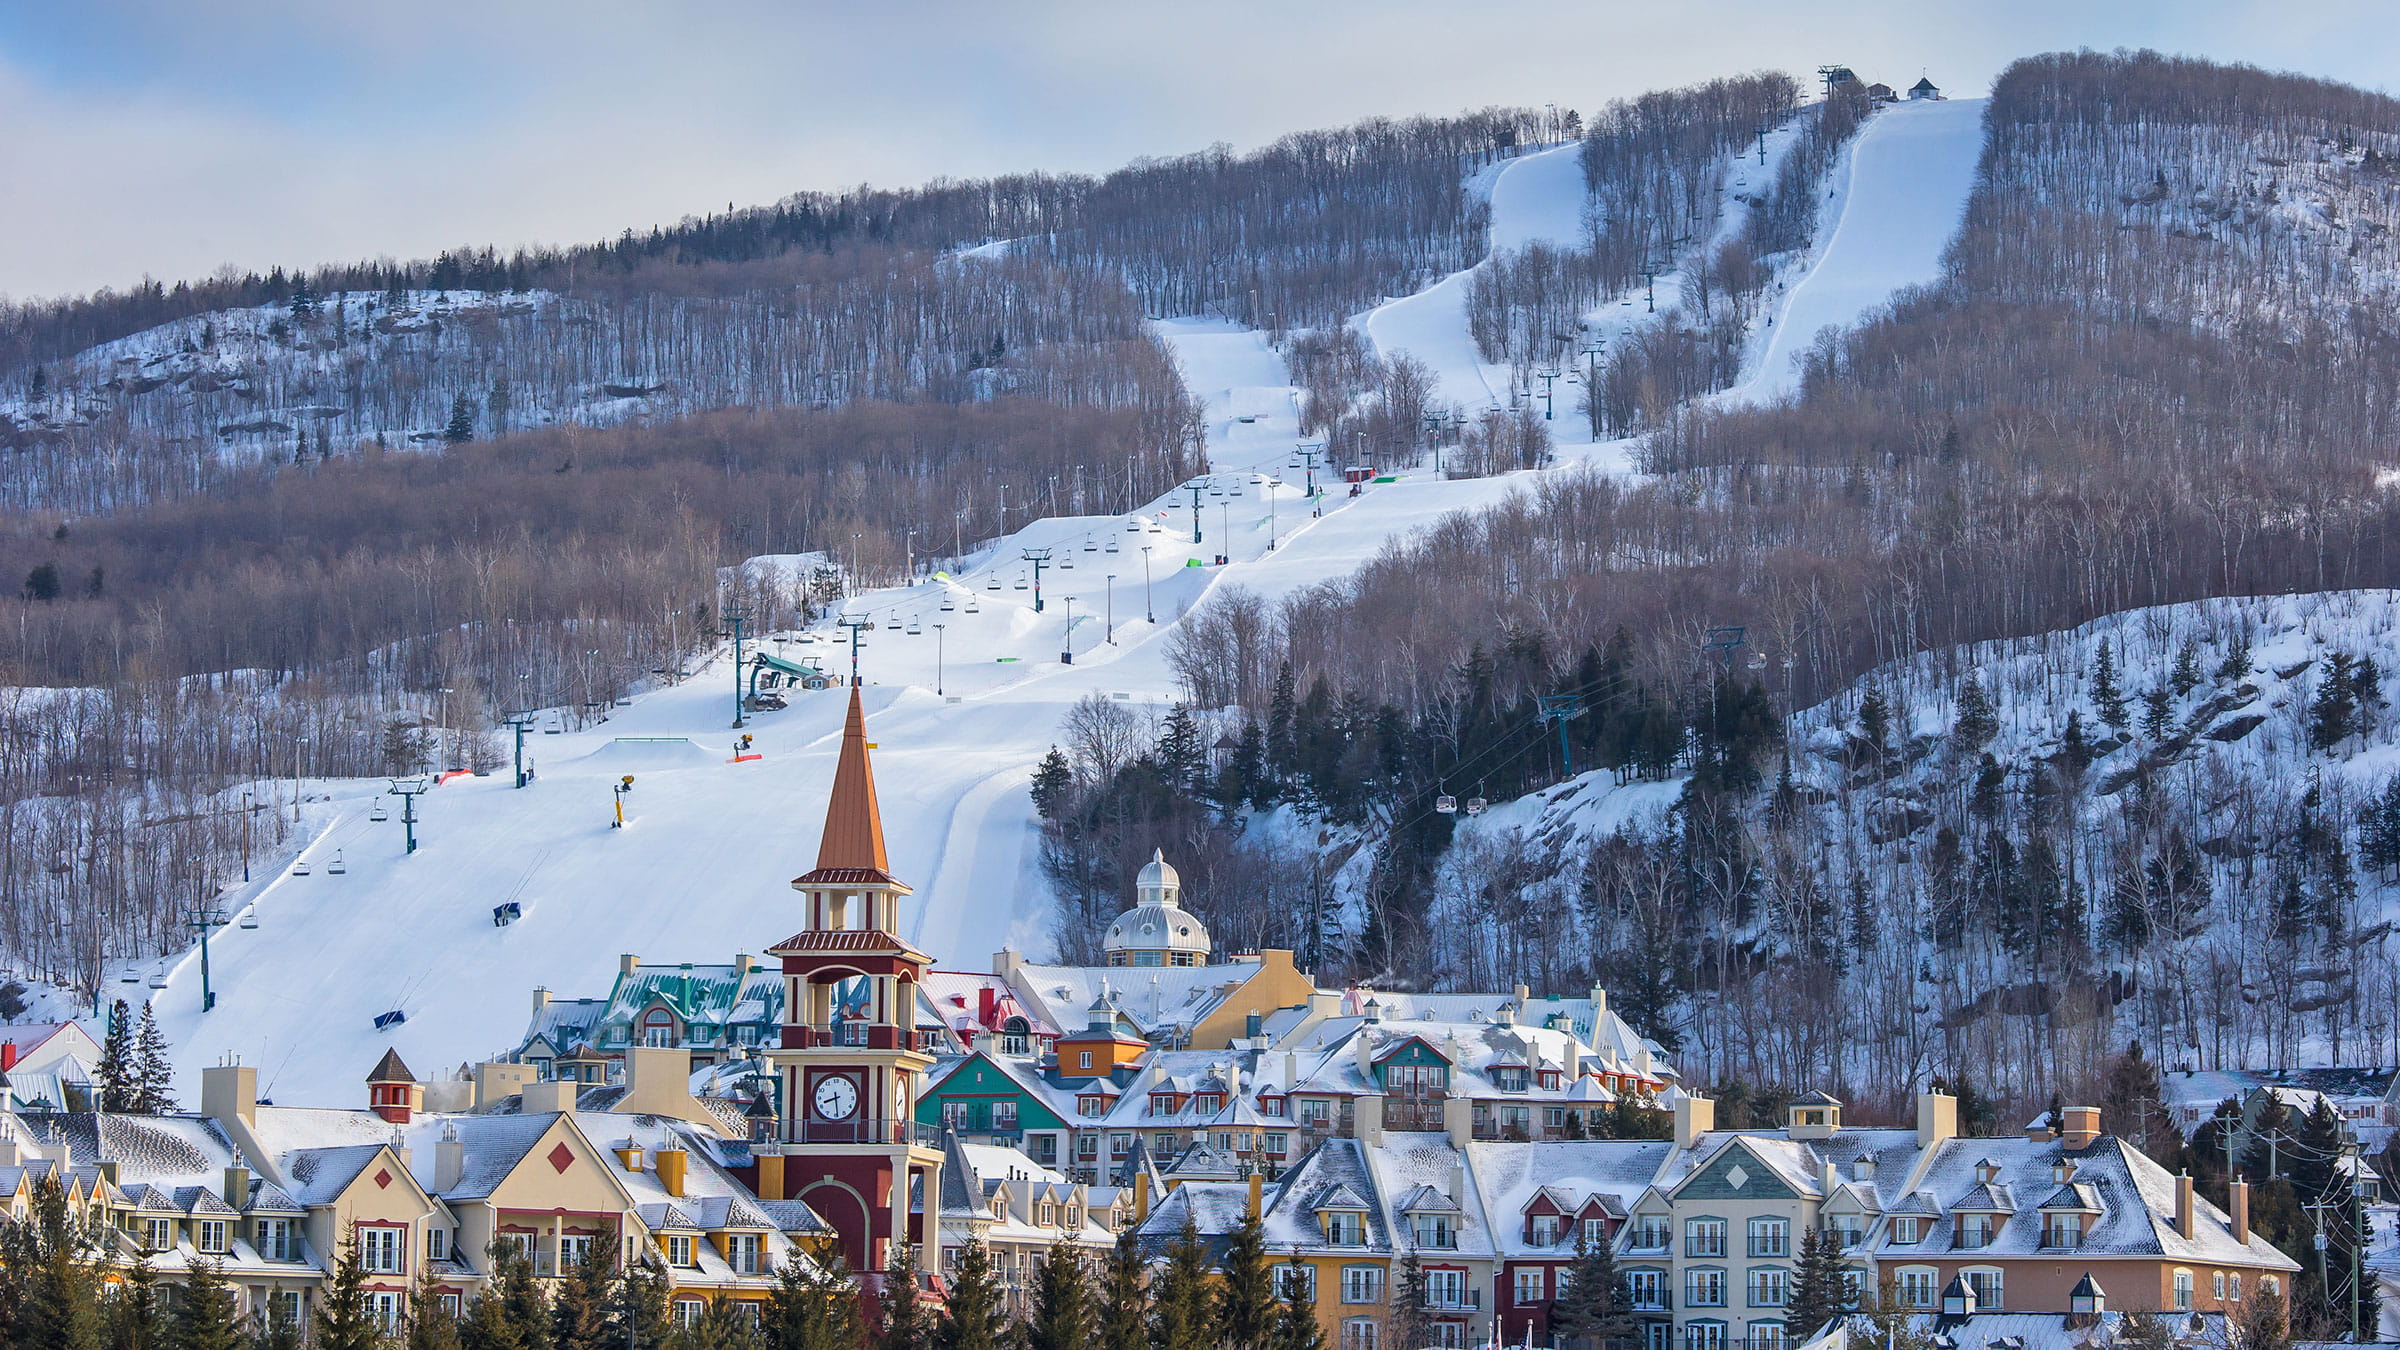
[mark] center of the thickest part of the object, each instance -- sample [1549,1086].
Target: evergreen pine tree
[2185,677]
[641,1318]
[274,1327]
[1296,1323]
[523,1304]
[1180,754]
[1283,712]
[115,1071]
[487,1325]
[1053,785]
[343,1321]
[153,1076]
[1595,1310]
[1063,1316]
[2333,706]
[137,1316]
[2158,713]
[461,427]
[1412,1307]
[1818,1291]
[48,1289]
[579,1308]
[2236,665]
[430,1325]
[1179,1305]
[1977,721]
[1124,1321]
[904,1319]
[2106,696]
[1246,1302]
[977,1321]
[1875,723]
[202,1317]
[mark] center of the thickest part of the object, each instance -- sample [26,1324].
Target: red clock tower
[850,1063]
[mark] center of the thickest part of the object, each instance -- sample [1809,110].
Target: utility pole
[297,742]
[251,806]
[408,790]
[1194,487]
[203,918]
[1149,614]
[520,722]
[1003,511]
[855,623]
[1591,382]
[1562,709]
[737,616]
[1040,558]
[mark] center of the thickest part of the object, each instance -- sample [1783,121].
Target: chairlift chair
[1446,804]
[913,629]
[1066,563]
[948,604]
[131,977]
[1021,583]
[1112,547]
[158,978]
[1133,526]
[300,868]
[337,866]
[974,606]
[1237,490]
[893,623]
[378,813]
[993,584]
[1475,806]
[1089,546]
[249,918]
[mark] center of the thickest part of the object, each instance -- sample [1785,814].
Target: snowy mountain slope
[699,873]
[1897,203]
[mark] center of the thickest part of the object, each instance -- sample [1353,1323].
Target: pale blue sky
[141,137]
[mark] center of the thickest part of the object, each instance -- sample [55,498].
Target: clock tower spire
[849,1063]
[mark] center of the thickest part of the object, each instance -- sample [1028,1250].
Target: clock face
[835,1098]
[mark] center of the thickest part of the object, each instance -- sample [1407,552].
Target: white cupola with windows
[1157,931]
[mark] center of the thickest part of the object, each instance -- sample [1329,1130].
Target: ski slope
[1897,203]
[960,712]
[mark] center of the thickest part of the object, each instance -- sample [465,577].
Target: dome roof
[1158,874]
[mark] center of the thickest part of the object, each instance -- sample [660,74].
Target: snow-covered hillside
[962,700]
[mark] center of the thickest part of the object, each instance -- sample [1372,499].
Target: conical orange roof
[852,847]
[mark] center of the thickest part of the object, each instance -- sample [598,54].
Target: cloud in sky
[144,137]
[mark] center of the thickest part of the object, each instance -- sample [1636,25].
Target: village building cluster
[840,1097]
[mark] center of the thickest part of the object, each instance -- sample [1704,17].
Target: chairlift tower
[520,722]
[1562,709]
[1040,558]
[1307,452]
[856,623]
[736,618]
[408,790]
[1548,378]
[203,918]
[1196,487]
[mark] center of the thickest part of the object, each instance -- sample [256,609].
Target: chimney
[553,1096]
[1258,1185]
[1141,1195]
[8,1151]
[541,999]
[449,1160]
[2186,1216]
[658,1082]
[670,1170]
[1574,1061]
[1829,1177]
[2237,1204]
[987,1002]
[1694,1116]
[400,1150]
[1458,1119]
[237,1186]
[2082,1127]
[1253,1025]
[1937,1118]
[1599,1009]
[743,964]
[629,1155]
[1291,1071]
[627,963]
[770,1175]
[495,1080]
[1367,1119]
[1524,996]
[1006,962]
[1366,1053]
[1864,1168]
[229,1092]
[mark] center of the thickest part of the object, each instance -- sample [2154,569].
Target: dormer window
[1908,1230]
[1162,1103]
[1212,1101]
[1433,1230]
[2063,1172]
[1509,1078]
[1987,1172]
[2062,1230]
[1549,1080]
[1542,1230]
[1343,1227]
[1974,1230]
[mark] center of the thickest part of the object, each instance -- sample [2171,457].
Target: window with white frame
[741,1253]
[1704,1336]
[379,1250]
[437,1243]
[2233,1286]
[278,1240]
[1651,1233]
[1769,1287]
[1647,1288]
[1595,1232]
[1991,1290]
[1704,1287]
[1362,1284]
[1446,1288]
[1344,1227]
[679,1249]
[1361,1333]
[284,1306]
[2183,1291]
[158,1234]
[1916,1286]
[1120,1144]
[451,1303]
[1432,1230]
[2062,1230]
[1657,1336]
[572,1248]
[1542,1230]
[687,1312]
[1704,1237]
[1275,1142]
[1450,1335]
[1530,1286]
[658,1029]
[1766,1336]
[383,1305]
[1163,1143]
[1297,1278]
[209,1236]
[1770,1237]
[2217,1285]
[2269,1284]
[1974,1230]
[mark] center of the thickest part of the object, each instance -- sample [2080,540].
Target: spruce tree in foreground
[639,1318]
[1124,1320]
[430,1325]
[1596,1308]
[153,1068]
[1818,1291]
[1412,1310]
[1062,1303]
[202,1317]
[1246,1304]
[579,1309]
[115,1071]
[1180,1303]
[906,1320]
[1296,1323]
[343,1321]
[976,1320]
[812,1307]
[137,1316]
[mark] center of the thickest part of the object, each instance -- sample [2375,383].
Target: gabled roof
[1339,1196]
[1989,1198]
[1424,1199]
[2074,1196]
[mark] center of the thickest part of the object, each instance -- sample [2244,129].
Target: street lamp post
[1112,610]
[1066,640]
[938,635]
[297,742]
[1149,614]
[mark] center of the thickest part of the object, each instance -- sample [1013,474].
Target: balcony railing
[857,1035]
[863,1131]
